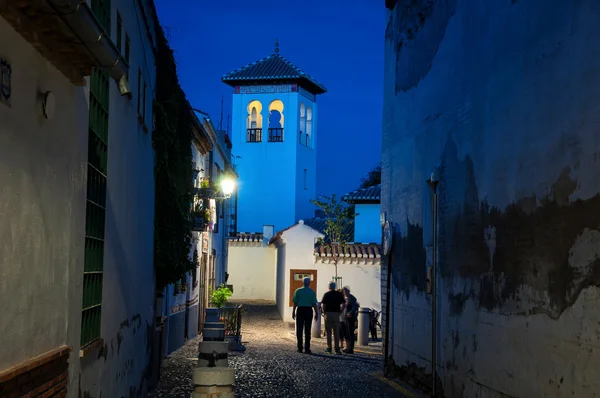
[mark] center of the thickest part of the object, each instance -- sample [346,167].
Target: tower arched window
[254,122]
[309,126]
[276,121]
[302,134]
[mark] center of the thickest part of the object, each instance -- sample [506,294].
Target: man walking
[351,317]
[305,299]
[332,303]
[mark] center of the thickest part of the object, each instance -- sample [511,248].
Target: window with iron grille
[95,207]
[95,214]
[119,31]
[127,48]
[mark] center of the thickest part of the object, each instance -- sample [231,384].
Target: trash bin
[363,326]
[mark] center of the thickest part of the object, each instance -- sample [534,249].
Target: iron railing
[254,135]
[276,135]
[232,317]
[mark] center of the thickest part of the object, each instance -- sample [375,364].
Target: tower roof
[273,69]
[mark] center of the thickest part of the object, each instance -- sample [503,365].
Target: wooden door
[296,280]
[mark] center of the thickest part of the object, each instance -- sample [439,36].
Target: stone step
[210,319]
[213,325]
[213,377]
[213,334]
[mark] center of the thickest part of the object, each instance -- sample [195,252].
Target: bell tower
[274,133]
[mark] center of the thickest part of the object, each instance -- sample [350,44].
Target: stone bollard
[213,354]
[213,383]
[213,315]
[363,326]
[316,325]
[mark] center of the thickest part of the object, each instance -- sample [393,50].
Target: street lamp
[227,187]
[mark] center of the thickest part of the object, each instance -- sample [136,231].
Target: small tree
[219,297]
[339,217]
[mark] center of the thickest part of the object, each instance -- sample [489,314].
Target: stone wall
[498,98]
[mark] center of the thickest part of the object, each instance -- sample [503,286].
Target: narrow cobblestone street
[271,367]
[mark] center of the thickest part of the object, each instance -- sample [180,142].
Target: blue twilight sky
[339,42]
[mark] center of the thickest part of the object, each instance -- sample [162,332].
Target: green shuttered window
[95,217]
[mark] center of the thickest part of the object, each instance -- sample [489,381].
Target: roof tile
[365,195]
[353,250]
[273,68]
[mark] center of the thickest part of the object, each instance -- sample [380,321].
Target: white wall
[252,272]
[367,226]
[363,279]
[218,238]
[43,168]
[128,288]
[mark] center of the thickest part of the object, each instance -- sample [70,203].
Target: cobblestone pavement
[271,367]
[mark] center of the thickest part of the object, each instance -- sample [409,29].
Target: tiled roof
[247,237]
[365,195]
[279,233]
[270,69]
[353,250]
[320,224]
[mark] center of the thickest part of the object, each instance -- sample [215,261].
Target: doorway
[296,280]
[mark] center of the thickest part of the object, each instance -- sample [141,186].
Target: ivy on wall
[172,139]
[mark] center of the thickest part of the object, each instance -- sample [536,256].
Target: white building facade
[271,267]
[78,180]
[274,131]
[184,303]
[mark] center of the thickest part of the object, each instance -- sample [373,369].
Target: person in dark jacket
[351,318]
[332,303]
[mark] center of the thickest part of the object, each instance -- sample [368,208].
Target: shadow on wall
[549,246]
[127,370]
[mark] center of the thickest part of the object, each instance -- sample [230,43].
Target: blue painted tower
[274,133]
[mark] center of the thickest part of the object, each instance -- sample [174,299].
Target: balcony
[276,135]
[200,217]
[254,135]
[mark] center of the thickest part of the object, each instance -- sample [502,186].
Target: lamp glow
[227,185]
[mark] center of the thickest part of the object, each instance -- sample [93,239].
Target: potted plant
[200,216]
[206,189]
[219,296]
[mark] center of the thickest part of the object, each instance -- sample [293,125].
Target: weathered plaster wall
[252,271]
[122,366]
[499,97]
[43,168]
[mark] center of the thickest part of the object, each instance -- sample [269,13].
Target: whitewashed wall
[252,272]
[364,280]
[128,294]
[367,225]
[43,169]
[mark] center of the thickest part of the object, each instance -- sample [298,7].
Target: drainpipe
[433,184]
[388,261]
[78,16]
